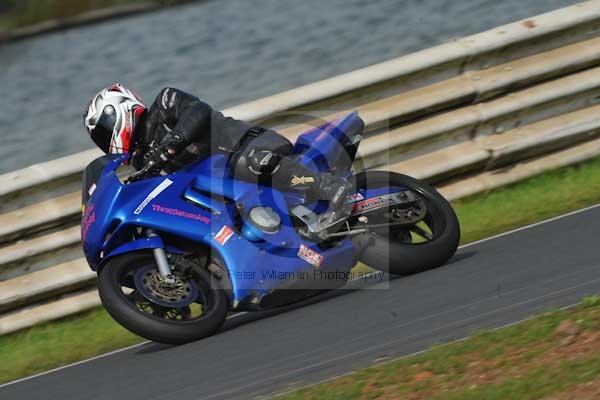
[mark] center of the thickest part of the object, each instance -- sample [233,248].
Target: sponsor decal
[353,198]
[302,180]
[157,190]
[172,101]
[372,203]
[224,235]
[180,213]
[92,189]
[310,256]
[266,159]
[165,99]
[89,217]
[128,122]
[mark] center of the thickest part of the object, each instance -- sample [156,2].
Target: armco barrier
[469,115]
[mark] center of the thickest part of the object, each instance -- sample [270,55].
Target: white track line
[530,226]
[241,313]
[92,359]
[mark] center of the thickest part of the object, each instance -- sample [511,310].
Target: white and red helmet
[111,118]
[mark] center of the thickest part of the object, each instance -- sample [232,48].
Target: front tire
[397,253]
[159,323]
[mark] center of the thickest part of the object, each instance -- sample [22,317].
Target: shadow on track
[460,256]
[377,278]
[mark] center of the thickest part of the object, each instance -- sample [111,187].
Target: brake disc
[178,294]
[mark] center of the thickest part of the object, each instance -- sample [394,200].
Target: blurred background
[225,51]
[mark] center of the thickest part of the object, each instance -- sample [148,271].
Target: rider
[179,128]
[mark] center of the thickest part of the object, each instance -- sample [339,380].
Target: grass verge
[65,341]
[556,354]
[58,343]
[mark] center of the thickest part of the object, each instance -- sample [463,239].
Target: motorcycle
[175,253]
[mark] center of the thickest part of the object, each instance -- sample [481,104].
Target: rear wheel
[402,248]
[134,294]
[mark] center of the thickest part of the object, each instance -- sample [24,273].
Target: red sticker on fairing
[310,256]
[224,235]
[372,203]
[353,198]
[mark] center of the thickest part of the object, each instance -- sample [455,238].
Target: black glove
[156,158]
[171,145]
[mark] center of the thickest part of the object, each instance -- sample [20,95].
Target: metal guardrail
[523,95]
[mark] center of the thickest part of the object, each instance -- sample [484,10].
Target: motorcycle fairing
[112,212]
[198,204]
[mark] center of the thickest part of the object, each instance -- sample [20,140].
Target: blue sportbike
[175,253]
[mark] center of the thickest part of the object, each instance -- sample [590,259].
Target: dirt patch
[569,342]
[422,376]
[586,391]
[557,353]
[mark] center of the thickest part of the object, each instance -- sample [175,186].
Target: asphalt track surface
[488,284]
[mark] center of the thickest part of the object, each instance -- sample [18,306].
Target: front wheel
[134,294]
[407,249]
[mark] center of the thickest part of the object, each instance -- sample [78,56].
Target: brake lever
[139,174]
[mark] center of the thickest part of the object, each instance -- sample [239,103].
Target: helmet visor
[103,132]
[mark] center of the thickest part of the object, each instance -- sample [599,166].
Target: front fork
[160,256]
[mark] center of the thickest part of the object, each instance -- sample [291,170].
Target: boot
[334,189]
[287,173]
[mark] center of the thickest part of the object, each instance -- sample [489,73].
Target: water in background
[227,52]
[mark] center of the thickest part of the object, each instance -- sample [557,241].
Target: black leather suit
[191,129]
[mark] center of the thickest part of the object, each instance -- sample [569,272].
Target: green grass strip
[61,342]
[538,198]
[527,376]
[72,339]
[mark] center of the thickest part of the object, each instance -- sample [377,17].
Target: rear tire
[125,312]
[397,257]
